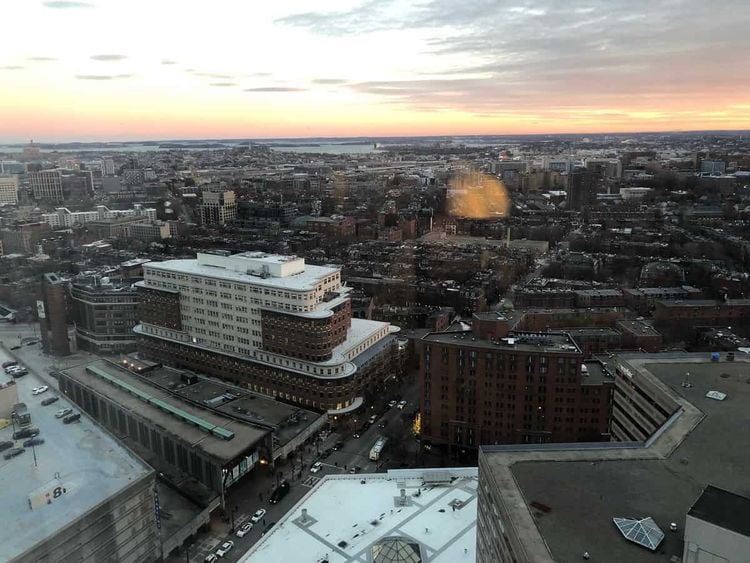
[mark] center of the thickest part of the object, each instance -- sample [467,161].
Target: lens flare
[477,196]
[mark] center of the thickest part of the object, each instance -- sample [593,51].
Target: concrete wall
[121,529]
[708,543]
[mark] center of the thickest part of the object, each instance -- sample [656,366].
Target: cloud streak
[63,4]
[110,57]
[102,76]
[11,67]
[274,89]
[223,84]
[329,81]
[532,56]
[41,59]
[168,62]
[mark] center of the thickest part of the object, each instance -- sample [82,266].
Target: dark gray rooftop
[725,509]
[521,341]
[245,435]
[585,487]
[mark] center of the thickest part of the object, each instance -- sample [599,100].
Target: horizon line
[367,137]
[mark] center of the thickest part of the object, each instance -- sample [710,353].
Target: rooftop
[661,478]
[704,303]
[338,530]
[724,509]
[642,328]
[305,279]
[92,466]
[215,442]
[522,341]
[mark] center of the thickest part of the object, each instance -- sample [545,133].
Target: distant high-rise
[218,208]
[8,189]
[108,167]
[581,188]
[47,185]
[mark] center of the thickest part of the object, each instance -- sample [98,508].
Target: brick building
[523,388]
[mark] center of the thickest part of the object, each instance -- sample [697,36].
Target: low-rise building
[413,516]
[546,503]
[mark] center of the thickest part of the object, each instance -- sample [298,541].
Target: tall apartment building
[271,323]
[58,185]
[8,189]
[218,208]
[47,185]
[523,388]
[52,311]
[105,315]
[108,167]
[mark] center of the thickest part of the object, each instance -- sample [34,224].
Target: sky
[189,69]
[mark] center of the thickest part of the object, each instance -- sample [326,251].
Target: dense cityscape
[211,348]
[375,281]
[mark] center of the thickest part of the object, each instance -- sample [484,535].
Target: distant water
[325,147]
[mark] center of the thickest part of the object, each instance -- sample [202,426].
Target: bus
[21,414]
[377,448]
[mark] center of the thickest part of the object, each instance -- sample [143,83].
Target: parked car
[258,516]
[19,372]
[33,442]
[49,400]
[401,404]
[391,404]
[225,548]
[25,433]
[383,424]
[40,390]
[71,418]
[16,347]
[355,469]
[9,363]
[372,419]
[13,453]
[325,453]
[316,467]
[356,434]
[5,445]
[63,412]
[244,529]
[210,558]
[338,445]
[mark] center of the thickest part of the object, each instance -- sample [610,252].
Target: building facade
[104,315]
[47,185]
[267,322]
[63,217]
[522,388]
[218,208]
[8,189]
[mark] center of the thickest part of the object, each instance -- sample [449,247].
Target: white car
[39,390]
[63,412]
[316,467]
[244,529]
[258,516]
[225,548]
[401,404]
[391,404]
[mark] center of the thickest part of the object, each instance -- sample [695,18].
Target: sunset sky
[177,69]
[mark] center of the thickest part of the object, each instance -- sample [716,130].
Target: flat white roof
[305,280]
[347,514]
[82,458]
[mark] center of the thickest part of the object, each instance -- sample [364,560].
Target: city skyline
[101,70]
